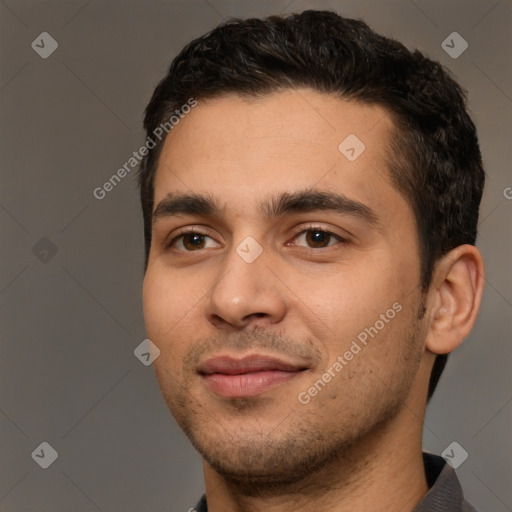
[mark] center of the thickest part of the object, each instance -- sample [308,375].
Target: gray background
[71,320]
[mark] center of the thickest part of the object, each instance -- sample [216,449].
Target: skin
[356,445]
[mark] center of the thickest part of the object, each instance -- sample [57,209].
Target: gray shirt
[444,495]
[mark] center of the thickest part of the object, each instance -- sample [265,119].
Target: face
[282,283]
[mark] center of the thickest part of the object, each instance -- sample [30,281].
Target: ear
[454,297]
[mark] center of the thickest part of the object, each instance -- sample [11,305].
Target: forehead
[244,148]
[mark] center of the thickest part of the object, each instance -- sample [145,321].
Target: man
[310,225]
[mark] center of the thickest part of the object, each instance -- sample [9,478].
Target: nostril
[255,315]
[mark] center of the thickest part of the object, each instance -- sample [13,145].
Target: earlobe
[455,295]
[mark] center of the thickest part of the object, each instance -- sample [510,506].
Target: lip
[252,375]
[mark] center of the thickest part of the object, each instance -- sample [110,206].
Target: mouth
[249,376]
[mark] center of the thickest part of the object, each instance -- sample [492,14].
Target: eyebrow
[304,201]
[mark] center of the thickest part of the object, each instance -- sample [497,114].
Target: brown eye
[192,241]
[317,238]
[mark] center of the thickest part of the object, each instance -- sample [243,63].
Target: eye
[317,238]
[191,241]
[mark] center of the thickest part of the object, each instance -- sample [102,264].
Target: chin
[257,461]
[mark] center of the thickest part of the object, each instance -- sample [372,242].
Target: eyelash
[311,228]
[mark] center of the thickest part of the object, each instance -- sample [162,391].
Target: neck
[381,472]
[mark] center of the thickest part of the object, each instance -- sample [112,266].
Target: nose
[245,293]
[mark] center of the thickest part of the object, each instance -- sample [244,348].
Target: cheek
[162,314]
[351,300]
[351,294]
[155,302]
[163,306]
[172,309]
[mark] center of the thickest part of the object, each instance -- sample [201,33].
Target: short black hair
[434,158]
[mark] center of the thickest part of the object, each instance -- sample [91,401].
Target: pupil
[194,240]
[318,237]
